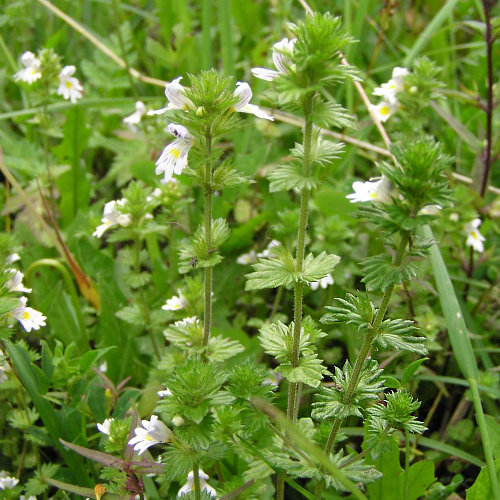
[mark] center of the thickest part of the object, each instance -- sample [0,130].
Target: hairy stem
[365,350]
[407,464]
[489,100]
[292,406]
[196,481]
[207,307]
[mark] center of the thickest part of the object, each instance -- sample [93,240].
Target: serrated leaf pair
[331,402]
[281,270]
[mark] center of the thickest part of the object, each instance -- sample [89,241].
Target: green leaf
[221,348]
[329,114]
[90,357]
[380,272]
[273,272]
[420,477]
[398,334]
[276,340]
[8,304]
[310,370]
[131,314]
[494,434]
[481,489]
[318,267]
[285,177]
[411,369]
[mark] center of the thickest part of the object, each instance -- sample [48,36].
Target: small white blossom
[274,378]
[430,210]
[369,191]
[193,320]
[136,117]
[474,237]
[112,216]
[30,319]
[389,89]
[282,51]
[173,159]
[385,109]
[7,482]
[152,432]
[323,282]
[105,427]
[175,303]
[174,92]
[247,258]
[13,257]
[189,486]
[15,283]
[165,393]
[69,86]
[244,93]
[268,251]
[31,71]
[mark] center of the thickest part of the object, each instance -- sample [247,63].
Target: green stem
[207,307]
[365,350]
[292,405]
[407,464]
[196,481]
[483,429]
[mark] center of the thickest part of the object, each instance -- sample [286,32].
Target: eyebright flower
[430,210]
[474,237]
[274,378]
[152,432]
[389,89]
[31,72]
[244,93]
[30,319]
[193,320]
[15,283]
[69,86]
[112,216]
[323,282]
[268,251]
[136,117]
[175,303]
[173,159]
[165,393]
[189,486]
[369,191]
[105,427]
[385,109]
[13,257]
[247,258]
[282,51]
[7,482]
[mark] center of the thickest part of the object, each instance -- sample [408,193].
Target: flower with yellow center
[174,157]
[474,237]
[385,109]
[30,319]
[282,51]
[31,71]
[152,432]
[69,86]
[370,191]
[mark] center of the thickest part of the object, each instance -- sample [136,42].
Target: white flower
[247,258]
[105,427]
[189,486]
[389,89]
[193,320]
[175,303]
[430,210]
[274,378]
[31,72]
[103,367]
[282,51]
[112,216]
[13,257]
[323,282]
[385,109]
[173,159]
[369,191]
[174,92]
[29,318]
[69,86]
[152,432]
[15,282]
[165,393]
[474,237]
[7,482]
[135,118]
[268,251]
[244,93]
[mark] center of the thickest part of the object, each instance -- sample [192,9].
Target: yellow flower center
[175,152]
[26,315]
[148,438]
[373,195]
[474,235]
[68,84]
[384,110]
